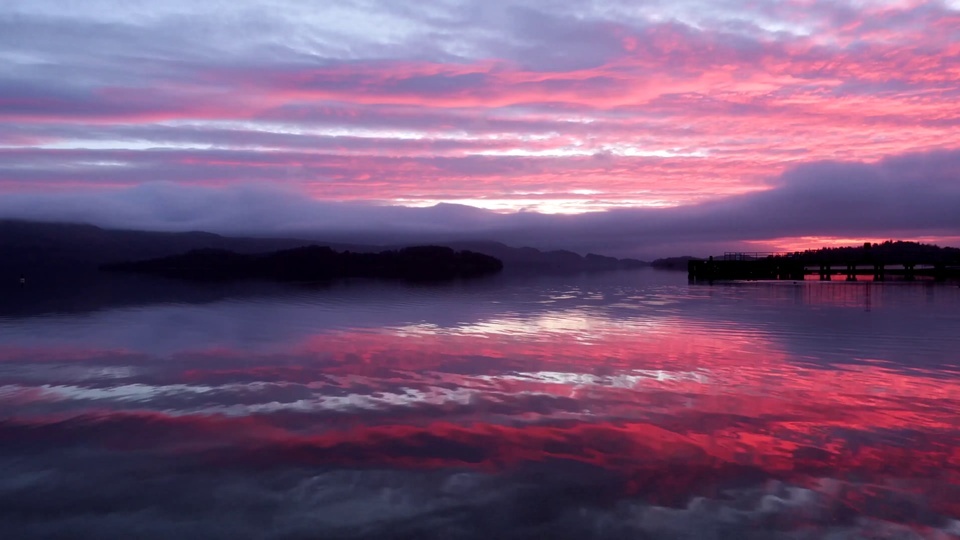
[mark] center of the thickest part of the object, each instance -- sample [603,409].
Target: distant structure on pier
[891,260]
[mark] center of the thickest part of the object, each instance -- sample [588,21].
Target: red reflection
[673,407]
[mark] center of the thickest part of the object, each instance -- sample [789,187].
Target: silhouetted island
[57,253]
[316,263]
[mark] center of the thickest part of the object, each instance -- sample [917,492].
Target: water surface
[612,405]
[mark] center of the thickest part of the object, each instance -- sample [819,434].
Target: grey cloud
[548,41]
[305,116]
[171,52]
[916,194]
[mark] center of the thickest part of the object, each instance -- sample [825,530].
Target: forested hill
[315,263]
[69,250]
[886,251]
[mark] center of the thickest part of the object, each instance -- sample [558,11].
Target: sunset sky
[621,126]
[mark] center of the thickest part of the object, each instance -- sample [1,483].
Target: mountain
[530,260]
[674,263]
[69,250]
[32,247]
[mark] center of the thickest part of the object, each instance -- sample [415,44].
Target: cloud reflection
[623,407]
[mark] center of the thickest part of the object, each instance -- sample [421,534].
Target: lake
[608,405]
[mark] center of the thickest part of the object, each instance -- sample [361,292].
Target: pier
[797,266]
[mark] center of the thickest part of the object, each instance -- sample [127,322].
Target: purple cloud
[910,195]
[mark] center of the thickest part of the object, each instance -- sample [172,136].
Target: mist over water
[611,405]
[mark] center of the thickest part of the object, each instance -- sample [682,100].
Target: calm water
[619,405]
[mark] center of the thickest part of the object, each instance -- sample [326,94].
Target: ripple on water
[635,400]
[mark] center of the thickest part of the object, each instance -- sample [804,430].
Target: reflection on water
[621,405]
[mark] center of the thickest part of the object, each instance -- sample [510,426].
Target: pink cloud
[638,110]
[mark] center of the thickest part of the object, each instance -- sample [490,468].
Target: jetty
[797,266]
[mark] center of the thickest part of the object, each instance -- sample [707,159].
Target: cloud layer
[910,196]
[546,105]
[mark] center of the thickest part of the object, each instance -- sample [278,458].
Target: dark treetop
[888,252]
[313,263]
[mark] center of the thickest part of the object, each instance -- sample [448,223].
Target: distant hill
[315,263]
[32,247]
[674,263]
[530,260]
[70,250]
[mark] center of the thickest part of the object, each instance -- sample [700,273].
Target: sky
[624,127]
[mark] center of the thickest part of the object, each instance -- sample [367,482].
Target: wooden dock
[797,266]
